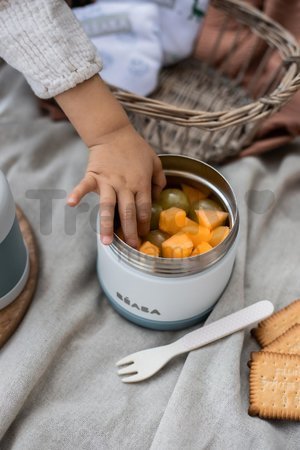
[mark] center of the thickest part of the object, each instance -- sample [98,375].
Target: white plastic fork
[144,364]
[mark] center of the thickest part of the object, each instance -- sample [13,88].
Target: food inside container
[186,221]
[178,288]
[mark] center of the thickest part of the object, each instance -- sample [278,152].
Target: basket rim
[260,108]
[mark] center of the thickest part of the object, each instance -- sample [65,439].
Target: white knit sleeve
[43,40]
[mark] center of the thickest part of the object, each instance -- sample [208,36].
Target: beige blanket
[58,384]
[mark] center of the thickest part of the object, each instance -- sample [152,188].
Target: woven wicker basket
[199,111]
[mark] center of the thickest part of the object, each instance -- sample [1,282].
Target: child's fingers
[107,212]
[158,178]
[86,185]
[143,211]
[127,212]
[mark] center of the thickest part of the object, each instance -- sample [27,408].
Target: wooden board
[12,315]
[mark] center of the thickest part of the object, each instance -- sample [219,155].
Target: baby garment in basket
[136,38]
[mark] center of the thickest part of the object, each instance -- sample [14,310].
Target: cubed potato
[211,219]
[172,220]
[193,194]
[149,249]
[177,246]
[201,248]
[218,235]
[197,233]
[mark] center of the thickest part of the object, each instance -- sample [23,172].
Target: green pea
[157,237]
[207,203]
[192,215]
[170,198]
[155,213]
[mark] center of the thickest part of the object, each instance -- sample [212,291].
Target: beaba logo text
[144,309]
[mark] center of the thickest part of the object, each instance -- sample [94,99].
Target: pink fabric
[283,126]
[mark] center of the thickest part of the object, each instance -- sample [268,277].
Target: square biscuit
[288,342]
[271,328]
[275,386]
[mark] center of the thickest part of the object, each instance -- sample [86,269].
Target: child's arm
[44,41]
[122,167]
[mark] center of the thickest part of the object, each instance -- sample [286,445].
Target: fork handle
[225,326]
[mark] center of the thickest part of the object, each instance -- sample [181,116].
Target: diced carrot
[210,218]
[218,235]
[197,233]
[172,220]
[201,248]
[193,194]
[149,249]
[190,222]
[177,246]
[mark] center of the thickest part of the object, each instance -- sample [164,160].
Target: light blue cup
[14,259]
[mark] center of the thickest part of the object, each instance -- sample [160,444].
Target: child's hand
[122,168]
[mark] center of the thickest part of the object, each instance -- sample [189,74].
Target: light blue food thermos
[14,259]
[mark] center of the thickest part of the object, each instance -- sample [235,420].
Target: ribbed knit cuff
[43,40]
